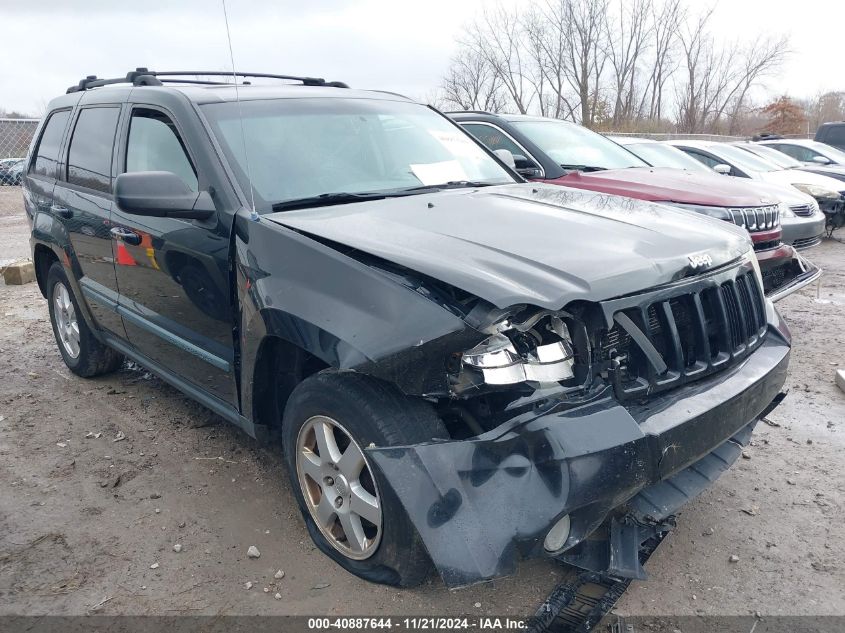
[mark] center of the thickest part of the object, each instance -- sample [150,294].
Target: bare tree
[472,83]
[629,30]
[759,58]
[582,23]
[666,20]
[610,63]
[498,38]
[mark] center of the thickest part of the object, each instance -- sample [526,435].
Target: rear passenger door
[172,273]
[82,202]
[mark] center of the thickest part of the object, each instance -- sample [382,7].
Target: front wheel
[350,511]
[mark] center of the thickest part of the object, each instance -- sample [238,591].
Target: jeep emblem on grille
[701,260]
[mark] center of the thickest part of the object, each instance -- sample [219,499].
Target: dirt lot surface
[101,478]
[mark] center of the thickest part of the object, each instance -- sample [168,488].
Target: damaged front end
[578,434]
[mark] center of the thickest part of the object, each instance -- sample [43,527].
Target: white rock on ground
[253,552]
[177,548]
[279,575]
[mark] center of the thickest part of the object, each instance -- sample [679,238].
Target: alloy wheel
[339,488]
[67,323]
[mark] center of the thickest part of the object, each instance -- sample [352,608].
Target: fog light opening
[557,536]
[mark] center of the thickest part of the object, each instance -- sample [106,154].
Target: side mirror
[160,194]
[821,160]
[723,169]
[526,167]
[506,157]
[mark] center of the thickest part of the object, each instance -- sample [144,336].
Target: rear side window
[89,157]
[46,161]
[155,145]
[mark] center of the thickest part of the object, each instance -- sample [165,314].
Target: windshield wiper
[328,199]
[585,168]
[343,197]
[452,184]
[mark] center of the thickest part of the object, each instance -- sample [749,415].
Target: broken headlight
[539,350]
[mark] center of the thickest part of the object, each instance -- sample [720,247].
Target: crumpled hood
[537,244]
[662,184]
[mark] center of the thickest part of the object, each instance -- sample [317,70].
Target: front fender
[336,308]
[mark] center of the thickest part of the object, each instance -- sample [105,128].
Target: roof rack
[470,112]
[145,77]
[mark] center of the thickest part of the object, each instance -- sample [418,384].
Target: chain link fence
[15,137]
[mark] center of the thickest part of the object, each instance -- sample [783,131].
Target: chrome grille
[757,218]
[804,210]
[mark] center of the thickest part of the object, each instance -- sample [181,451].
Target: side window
[154,145]
[90,153]
[46,161]
[796,152]
[492,137]
[703,158]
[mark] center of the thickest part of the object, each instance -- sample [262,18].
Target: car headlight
[539,352]
[785,211]
[817,191]
[720,213]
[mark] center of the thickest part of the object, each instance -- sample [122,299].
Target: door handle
[125,235]
[62,211]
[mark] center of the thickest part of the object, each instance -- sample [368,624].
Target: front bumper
[803,232]
[785,271]
[482,503]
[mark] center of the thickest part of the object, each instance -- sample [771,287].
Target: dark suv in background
[461,367]
[832,133]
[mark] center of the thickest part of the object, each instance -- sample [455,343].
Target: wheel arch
[279,366]
[43,258]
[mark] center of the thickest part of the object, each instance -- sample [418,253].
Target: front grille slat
[755,219]
[695,332]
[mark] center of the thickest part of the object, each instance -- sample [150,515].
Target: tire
[368,411]
[83,354]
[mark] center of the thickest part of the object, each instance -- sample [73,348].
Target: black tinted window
[492,137]
[89,158]
[47,154]
[154,145]
[835,135]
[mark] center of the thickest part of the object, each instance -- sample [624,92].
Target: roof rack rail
[470,112]
[145,77]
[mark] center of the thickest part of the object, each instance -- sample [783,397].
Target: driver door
[173,274]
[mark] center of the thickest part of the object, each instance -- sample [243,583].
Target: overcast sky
[395,45]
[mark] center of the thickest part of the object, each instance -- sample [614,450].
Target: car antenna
[253,213]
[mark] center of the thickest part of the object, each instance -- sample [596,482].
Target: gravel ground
[89,524]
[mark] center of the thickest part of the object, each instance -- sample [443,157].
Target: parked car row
[779,219]
[11,170]
[535,344]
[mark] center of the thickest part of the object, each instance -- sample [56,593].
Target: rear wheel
[352,514]
[83,354]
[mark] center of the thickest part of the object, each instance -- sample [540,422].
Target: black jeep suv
[462,368]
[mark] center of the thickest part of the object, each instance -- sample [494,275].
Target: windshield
[746,161]
[303,148]
[572,146]
[772,155]
[659,155]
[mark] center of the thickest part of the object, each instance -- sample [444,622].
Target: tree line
[645,65]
